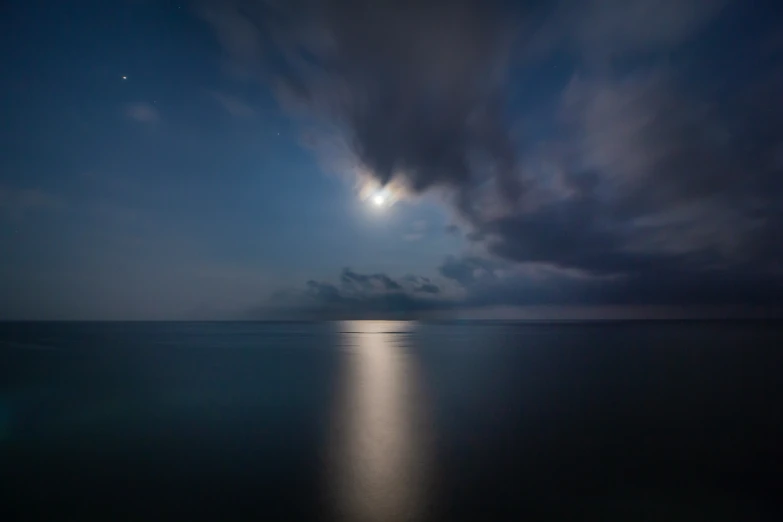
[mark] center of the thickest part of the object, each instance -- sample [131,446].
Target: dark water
[385,421]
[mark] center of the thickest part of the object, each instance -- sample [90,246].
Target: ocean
[391,421]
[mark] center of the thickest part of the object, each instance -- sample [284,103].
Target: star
[124,77]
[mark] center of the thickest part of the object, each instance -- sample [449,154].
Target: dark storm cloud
[669,180]
[417,90]
[678,201]
[678,196]
[668,185]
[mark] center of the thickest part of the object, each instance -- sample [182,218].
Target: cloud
[468,270]
[601,29]
[142,112]
[417,93]
[427,288]
[648,184]
[16,203]
[358,295]
[486,285]
[656,176]
[422,284]
[238,33]
[452,230]
[662,191]
[534,284]
[368,282]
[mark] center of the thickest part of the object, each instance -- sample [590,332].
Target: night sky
[250,159]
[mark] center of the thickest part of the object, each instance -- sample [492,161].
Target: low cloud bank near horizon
[475,288]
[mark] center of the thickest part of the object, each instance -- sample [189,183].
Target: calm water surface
[387,421]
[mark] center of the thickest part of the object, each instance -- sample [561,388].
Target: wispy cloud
[17,203]
[142,112]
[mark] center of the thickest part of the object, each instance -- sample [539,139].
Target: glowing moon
[378,199]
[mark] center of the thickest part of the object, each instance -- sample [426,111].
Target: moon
[379,199]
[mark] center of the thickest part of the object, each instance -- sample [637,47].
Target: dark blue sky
[167,159]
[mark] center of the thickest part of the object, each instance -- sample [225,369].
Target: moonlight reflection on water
[380,446]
